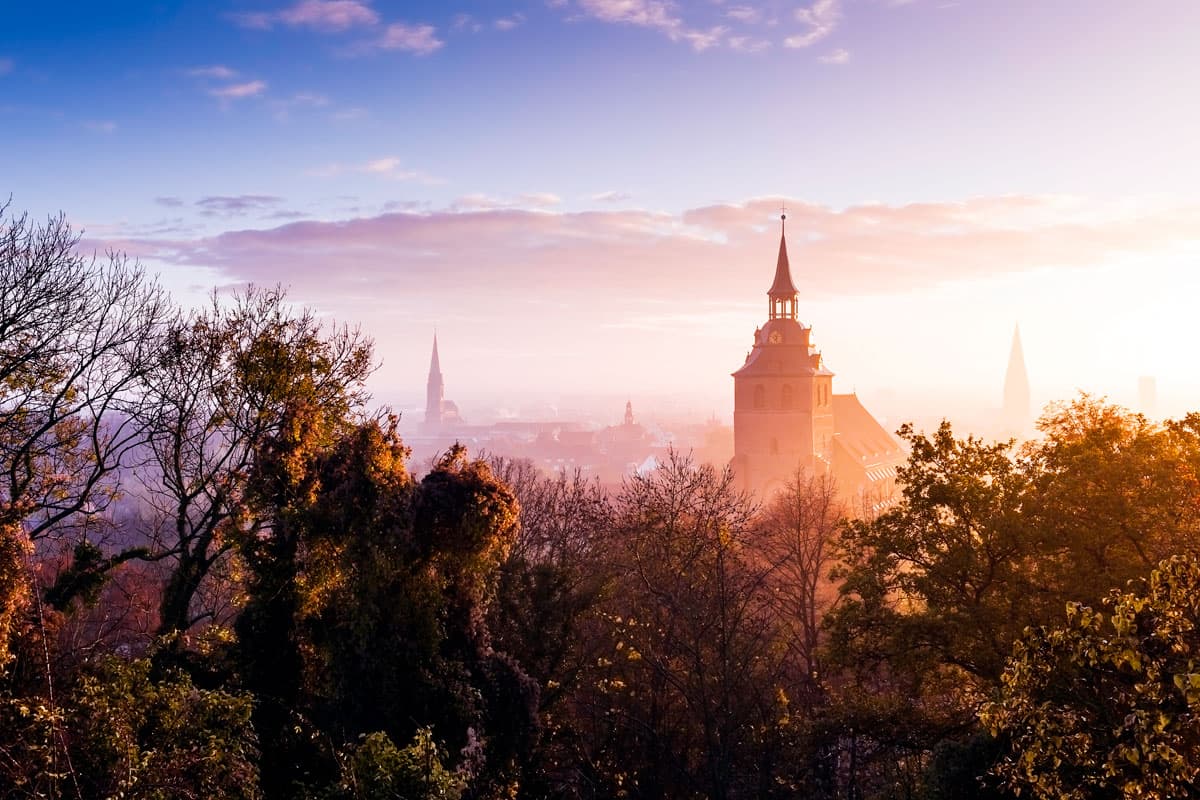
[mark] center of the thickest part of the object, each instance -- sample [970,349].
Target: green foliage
[1109,705]
[375,769]
[123,732]
[941,580]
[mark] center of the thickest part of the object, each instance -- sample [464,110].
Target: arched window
[774,447]
[760,396]
[787,395]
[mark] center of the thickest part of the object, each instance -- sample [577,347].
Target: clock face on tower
[775,338]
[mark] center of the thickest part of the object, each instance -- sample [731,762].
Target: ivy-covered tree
[1108,704]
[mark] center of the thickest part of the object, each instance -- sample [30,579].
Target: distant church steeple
[1017,417]
[783,297]
[434,389]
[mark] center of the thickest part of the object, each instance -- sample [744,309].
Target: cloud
[509,22]
[387,166]
[611,197]
[483,202]
[420,40]
[6,66]
[236,205]
[237,91]
[101,126]
[819,20]
[169,202]
[656,14]
[839,56]
[747,44]
[744,14]
[701,255]
[219,71]
[324,16]
[465,22]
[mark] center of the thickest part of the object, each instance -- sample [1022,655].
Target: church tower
[1016,416]
[783,394]
[434,390]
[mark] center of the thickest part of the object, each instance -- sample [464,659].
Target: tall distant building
[786,415]
[1016,417]
[438,410]
[1148,395]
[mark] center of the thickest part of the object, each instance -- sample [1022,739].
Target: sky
[582,197]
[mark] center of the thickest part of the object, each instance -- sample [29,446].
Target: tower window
[774,447]
[787,395]
[760,396]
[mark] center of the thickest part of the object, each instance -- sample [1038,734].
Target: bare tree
[77,334]
[799,528]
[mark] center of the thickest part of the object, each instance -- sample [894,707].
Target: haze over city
[582,196]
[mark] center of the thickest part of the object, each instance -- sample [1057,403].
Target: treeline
[219,578]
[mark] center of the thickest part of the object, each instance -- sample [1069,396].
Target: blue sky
[596,133]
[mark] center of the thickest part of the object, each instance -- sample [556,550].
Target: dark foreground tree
[1108,705]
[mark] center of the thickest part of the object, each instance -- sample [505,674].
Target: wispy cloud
[509,22]
[218,71]
[169,202]
[611,197]
[747,44]
[325,16]
[839,56]
[746,14]
[386,167]
[238,91]
[484,202]
[6,66]
[420,40]
[101,126]
[659,15]
[818,20]
[236,205]
[465,22]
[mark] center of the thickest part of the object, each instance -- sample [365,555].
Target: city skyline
[583,196]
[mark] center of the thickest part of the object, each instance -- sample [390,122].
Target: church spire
[1016,389]
[435,366]
[782,294]
[434,388]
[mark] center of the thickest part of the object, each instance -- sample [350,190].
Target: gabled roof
[860,434]
[783,286]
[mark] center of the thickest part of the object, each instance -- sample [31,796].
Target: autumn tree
[800,528]
[222,386]
[77,334]
[684,702]
[1107,703]
[1112,494]
[545,615]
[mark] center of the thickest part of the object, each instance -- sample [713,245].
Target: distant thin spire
[1017,417]
[435,366]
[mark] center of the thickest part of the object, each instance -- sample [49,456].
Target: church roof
[861,436]
[783,285]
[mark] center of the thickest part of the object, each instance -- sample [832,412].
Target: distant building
[1016,417]
[439,412]
[786,415]
[1148,395]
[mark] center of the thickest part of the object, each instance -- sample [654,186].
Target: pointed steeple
[435,366]
[1017,417]
[782,294]
[434,388]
